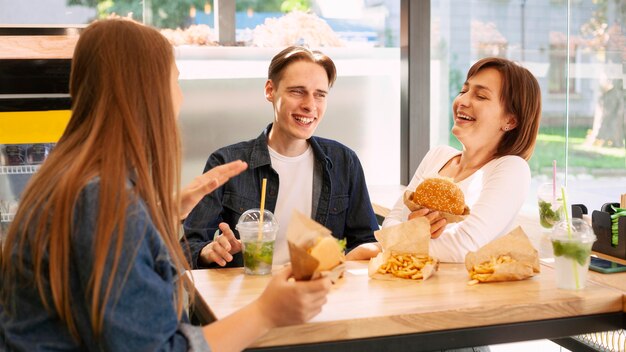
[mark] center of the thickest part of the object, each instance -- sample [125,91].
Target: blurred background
[575,48]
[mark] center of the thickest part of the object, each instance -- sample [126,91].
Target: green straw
[569,228]
[569,234]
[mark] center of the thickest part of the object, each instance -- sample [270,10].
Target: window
[591,156]
[557,73]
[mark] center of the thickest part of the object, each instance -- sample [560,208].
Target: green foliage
[175,13]
[293,5]
[551,146]
[258,6]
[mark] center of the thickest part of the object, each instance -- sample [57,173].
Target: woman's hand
[286,301]
[437,222]
[207,183]
[222,248]
[364,251]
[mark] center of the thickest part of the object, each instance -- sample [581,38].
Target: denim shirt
[340,198]
[141,312]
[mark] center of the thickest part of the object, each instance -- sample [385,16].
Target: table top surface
[359,307]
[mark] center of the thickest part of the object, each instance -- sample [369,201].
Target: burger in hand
[328,251]
[440,194]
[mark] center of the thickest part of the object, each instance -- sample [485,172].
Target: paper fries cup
[451,218]
[515,245]
[410,237]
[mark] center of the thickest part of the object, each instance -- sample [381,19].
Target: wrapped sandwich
[441,194]
[313,250]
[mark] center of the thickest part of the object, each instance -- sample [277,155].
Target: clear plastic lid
[580,231]
[251,218]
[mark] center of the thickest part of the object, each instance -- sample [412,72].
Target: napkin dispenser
[601,223]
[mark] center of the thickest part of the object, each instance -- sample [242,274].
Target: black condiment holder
[601,223]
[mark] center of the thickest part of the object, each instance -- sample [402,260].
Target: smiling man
[317,176]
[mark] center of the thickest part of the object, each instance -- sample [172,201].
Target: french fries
[406,266]
[481,272]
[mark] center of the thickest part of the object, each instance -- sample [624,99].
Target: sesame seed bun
[440,194]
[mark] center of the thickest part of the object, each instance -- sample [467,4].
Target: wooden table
[442,312]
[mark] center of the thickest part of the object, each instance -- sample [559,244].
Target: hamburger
[328,251]
[440,194]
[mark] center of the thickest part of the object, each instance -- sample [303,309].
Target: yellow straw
[260,237]
[569,234]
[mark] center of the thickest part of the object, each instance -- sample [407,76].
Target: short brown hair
[300,53]
[520,95]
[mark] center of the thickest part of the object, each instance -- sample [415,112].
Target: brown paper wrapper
[409,237]
[302,234]
[451,218]
[514,244]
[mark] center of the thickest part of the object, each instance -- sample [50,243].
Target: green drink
[550,205]
[549,214]
[572,249]
[257,257]
[257,238]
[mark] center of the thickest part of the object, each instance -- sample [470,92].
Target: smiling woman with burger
[496,119]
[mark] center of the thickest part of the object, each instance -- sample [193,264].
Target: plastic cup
[572,253]
[257,241]
[550,207]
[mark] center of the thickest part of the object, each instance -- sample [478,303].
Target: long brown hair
[521,97]
[123,126]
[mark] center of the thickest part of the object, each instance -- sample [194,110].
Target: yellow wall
[32,126]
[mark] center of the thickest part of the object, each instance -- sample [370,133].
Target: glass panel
[54,13]
[535,33]
[596,149]
[17,164]
[223,86]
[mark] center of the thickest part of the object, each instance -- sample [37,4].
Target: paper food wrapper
[514,244]
[302,234]
[451,218]
[409,237]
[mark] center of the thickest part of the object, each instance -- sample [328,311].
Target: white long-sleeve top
[494,193]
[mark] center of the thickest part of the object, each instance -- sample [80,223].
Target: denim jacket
[340,198]
[141,312]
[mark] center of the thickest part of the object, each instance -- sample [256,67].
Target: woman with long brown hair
[92,259]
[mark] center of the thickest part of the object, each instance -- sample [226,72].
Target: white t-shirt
[295,191]
[495,193]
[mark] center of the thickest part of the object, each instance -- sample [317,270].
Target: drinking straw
[260,237]
[569,235]
[553,180]
[569,228]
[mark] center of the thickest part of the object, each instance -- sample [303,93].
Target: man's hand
[222,248]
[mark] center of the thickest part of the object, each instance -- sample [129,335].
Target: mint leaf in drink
[547,216]
[258,252]
[576,251]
